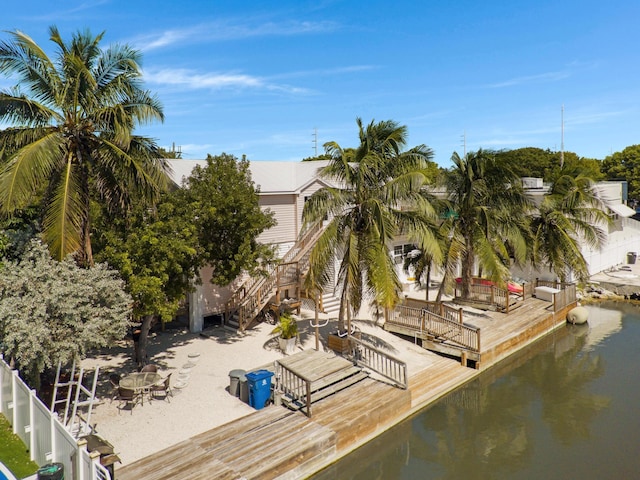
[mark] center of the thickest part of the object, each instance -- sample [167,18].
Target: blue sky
[261,78]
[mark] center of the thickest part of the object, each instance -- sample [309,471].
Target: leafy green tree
[73,119]
[54,311]
[157,254]
[568,216]
[489,216]
[223,201]
[545,164]
[625,165]
[380,196]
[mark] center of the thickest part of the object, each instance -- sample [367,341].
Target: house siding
[284,208]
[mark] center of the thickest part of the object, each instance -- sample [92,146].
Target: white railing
[45,437]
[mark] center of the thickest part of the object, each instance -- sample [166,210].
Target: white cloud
[214,81]
[540,78]
[228,30]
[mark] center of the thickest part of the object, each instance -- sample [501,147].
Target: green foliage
[491,219]
[567,217]
[156,253]
[223,202]
[54,311]
[625,165]
[545,164]
[287,326]
[72,139]
[13,452]
[381,196]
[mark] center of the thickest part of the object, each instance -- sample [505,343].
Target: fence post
[14,400]
[30,427]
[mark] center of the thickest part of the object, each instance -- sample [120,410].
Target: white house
[284,187]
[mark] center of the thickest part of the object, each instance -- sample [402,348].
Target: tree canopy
[223,202]
[380,196]
[546,164]
[72,138]
[625,165]
[490,215]
[54,311]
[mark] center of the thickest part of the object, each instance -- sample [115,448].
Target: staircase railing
[254,294]
[380,362]
[424,322]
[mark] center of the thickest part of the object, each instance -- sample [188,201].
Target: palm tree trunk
[467,268]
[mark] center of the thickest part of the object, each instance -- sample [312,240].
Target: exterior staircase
[247,302]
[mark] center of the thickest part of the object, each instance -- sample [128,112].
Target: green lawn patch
[14,453]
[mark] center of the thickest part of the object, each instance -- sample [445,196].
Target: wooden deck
[279,443]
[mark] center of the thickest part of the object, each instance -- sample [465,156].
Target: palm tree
[72,138]
[488,215]
[570,214]
[379,195]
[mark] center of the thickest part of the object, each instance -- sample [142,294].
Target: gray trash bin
[631,258]
[244,389]
[234,381]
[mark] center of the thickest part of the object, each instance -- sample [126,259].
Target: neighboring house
[285,186]
[622,235]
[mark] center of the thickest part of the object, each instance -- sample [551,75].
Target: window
[400,252]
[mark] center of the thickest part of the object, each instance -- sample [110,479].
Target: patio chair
[162,387]
[149,368]
[128,396]
[114,379]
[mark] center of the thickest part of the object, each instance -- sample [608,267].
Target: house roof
[271,177]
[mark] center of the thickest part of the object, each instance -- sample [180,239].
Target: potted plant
[287,329]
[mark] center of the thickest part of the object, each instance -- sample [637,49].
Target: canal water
[568,407]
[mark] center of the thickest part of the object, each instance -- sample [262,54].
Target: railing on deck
[564,297]
[380,362]
[423,321]
[42,433]
[480,292]
[296,387]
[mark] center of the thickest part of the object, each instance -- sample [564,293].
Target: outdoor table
[140,382]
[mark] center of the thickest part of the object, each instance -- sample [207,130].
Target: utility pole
[562,137]
[315,141]
[464,143]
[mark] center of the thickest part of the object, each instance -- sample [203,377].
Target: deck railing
[492,295]
[564,297]
[380,362]
[295,387]
[442,309]
[424,322]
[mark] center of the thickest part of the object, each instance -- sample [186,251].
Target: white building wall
[284,208]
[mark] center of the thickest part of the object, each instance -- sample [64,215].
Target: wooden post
[463,358]
[508,298]
[459,314]
[317,325]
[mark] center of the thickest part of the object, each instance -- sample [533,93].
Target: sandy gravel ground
[205,402]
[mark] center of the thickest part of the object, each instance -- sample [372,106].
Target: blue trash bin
[259,383]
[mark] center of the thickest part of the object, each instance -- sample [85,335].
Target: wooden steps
[328,388]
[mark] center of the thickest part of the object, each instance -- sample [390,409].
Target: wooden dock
[279,443]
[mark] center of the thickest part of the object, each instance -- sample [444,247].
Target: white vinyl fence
[41,431]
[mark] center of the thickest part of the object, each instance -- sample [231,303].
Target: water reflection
[530,417]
